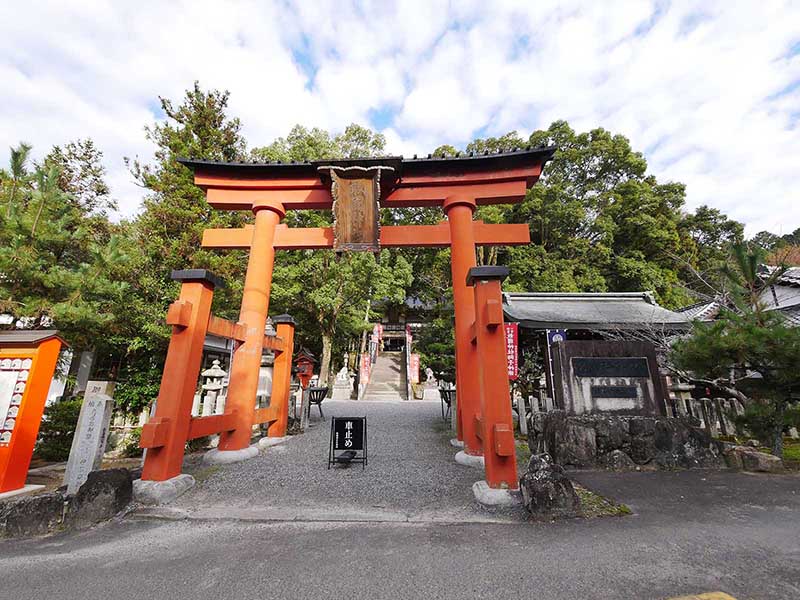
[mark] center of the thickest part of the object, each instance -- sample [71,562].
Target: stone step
[387,379]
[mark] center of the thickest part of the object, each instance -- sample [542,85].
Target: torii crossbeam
[354,190]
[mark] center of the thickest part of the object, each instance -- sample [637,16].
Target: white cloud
[709,91]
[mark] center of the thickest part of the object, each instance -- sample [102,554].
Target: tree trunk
[38,216]
[777,440]
[11,197]
[325,362]
[364,333]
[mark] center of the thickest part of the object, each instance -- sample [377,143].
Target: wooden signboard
[27,363]
[356,213]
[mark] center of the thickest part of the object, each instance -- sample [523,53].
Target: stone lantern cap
[215,370]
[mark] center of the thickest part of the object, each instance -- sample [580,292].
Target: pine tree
[748,348]
[55,265]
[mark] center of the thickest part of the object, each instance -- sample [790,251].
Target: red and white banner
[415,368]
[512,350]
[363,376]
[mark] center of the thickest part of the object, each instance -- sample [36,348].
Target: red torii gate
[457,184]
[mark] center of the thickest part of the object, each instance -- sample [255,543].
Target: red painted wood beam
[206,181]
[418,191]
[236,199]
[502,192]
[211,181]
[203,426]
[225,329]
[266,415]
[274,342]
[397,236]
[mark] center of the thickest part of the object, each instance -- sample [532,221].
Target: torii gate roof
[500,178]
[430,166]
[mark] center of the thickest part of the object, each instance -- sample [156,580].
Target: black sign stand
[348,441]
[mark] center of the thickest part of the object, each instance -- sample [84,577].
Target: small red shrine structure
[27,364]
[354,190]
[304,367]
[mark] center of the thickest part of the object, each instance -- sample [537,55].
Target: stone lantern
[212,387]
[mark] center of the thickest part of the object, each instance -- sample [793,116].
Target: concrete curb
[303,515]
[494,497]
[227,457]
[468,460]
[161,492]
[268,442]
[23,491]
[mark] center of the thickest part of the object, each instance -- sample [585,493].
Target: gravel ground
[411,470]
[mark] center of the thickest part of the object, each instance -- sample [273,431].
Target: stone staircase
[387,381]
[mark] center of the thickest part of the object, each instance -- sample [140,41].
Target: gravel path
[411,472]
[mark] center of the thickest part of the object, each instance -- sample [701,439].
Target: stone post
[694,410]
[521,408]
[708,417]
[716,410]
[91,434]
[196,404]
[208,403]
[85,363]
[454,413]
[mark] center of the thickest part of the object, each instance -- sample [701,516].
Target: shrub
[57,429]
[758,421]
[130,448]
[137,389]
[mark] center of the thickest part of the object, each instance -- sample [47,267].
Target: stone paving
[411,475]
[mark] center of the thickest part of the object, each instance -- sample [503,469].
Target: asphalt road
[746,544]
[691,532]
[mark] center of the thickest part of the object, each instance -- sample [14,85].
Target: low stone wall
[104,494]
[622,442]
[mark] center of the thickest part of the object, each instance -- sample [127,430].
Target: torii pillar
[246,363]
[459,211]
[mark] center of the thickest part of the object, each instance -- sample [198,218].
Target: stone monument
[91,434]
[431,386]
[343,385]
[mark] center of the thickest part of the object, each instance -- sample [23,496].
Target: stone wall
[104,494]
[619,442]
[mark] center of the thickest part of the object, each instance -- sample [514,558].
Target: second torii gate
[355,190]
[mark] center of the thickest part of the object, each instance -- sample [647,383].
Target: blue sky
[710,91]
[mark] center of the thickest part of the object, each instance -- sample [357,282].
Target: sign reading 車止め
[348,441]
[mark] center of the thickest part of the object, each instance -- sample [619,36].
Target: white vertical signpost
[91,434]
